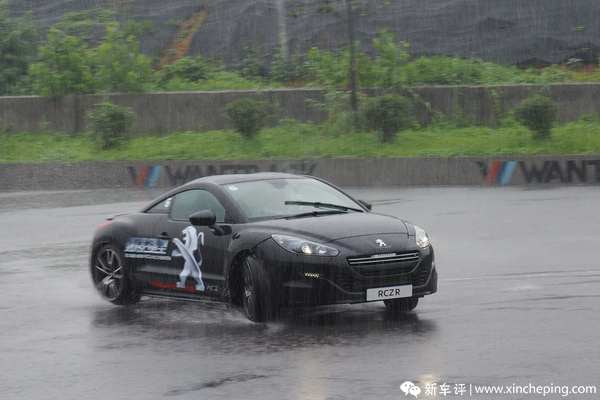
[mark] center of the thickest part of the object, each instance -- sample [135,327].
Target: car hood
[329,228]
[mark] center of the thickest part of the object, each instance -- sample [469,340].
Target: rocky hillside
[507,31]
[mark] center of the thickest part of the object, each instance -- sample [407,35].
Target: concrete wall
[371,172]
[168,112]
[155,112]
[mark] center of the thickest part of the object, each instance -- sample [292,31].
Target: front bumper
[336,281]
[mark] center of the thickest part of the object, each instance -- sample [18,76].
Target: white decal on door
[189,249]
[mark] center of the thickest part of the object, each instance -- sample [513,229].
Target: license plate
[392,292]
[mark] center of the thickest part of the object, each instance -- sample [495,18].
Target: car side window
[160,208]
[191,201]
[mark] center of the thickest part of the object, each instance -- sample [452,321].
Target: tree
[118,64]
[70,64]
[16,47]
[393,58]
[63,66]
[353,84]
[351,11]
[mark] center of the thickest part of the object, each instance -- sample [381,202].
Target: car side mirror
[203,218]
[366,204]
[206,218]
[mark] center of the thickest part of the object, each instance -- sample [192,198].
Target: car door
[197,254]
[146,250]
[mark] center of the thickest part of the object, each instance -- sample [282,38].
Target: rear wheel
[110,279]
[401,305]
[255,293]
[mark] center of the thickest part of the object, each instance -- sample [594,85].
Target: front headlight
[422,238]
[298,245]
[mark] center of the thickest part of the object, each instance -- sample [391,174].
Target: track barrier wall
[363,172]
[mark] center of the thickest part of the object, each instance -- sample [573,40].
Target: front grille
[383,258]
[391,269]
[382,265]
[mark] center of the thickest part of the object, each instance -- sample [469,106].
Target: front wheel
[255,293]
[110,279]
[402,305]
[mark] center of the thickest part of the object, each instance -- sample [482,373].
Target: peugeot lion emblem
[381,243]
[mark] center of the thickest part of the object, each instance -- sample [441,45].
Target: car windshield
[288,198]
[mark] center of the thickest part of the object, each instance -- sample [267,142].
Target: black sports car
[264,241]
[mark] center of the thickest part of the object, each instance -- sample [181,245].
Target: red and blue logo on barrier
[146,176]
[501,172]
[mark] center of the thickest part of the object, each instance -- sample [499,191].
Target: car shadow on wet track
[222,326]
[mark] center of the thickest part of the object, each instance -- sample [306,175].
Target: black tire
[402,305]
[110,277]
[255,291]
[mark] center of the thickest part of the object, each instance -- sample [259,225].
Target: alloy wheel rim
[109,273]
[249,300]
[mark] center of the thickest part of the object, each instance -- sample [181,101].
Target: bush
[189,69]
[388,114]
[247,116]
[109,124]
[538,114]
[290,69]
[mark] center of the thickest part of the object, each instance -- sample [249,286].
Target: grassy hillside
[513,32]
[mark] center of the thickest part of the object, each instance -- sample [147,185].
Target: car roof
[237,178]
[219,180]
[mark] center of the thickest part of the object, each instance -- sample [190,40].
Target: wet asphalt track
[518,304]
